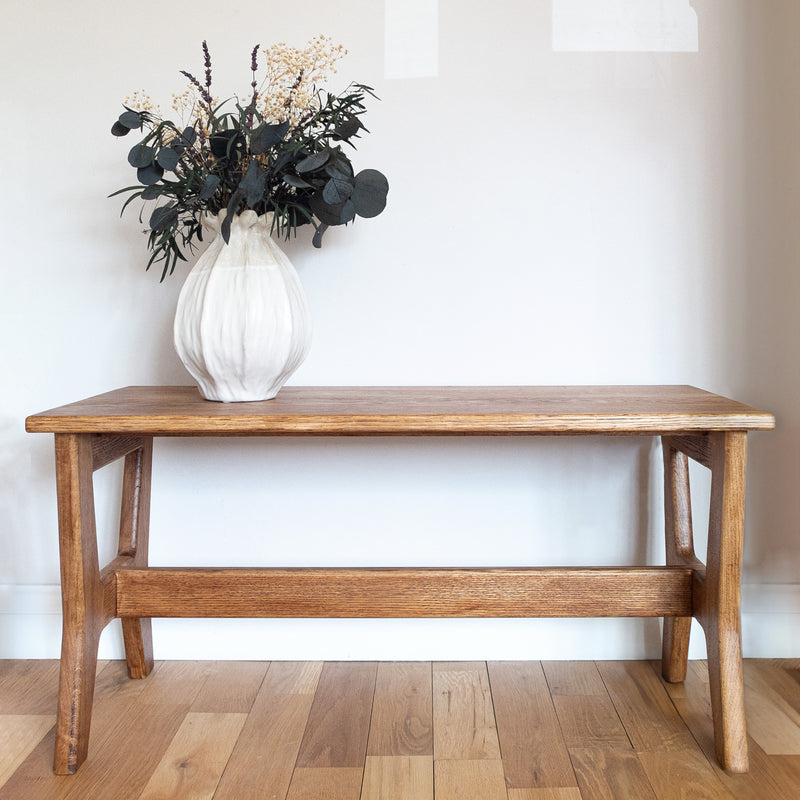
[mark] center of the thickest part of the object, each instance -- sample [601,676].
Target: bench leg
[82,598]
[680,551]
[134,530]
[719,602]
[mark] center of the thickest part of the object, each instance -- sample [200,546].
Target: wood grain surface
[402,711]
[525,713]
[469,780]
[463,713]
[398,778]
[167,742]
[262,763]
[196,757]
[396,592]
[355,410]
[338,726]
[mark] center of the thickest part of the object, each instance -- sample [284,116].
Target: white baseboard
[30,627]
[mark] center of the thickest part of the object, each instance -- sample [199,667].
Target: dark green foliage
[238,160]
[141,156]
[313,162]
[127,121]
[266,136]
[369,193]
[168,158]
[150,175]
[338,188]
[131,119]
[228,146]
[210,185]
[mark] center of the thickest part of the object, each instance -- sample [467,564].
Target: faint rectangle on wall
[643,26]
[411,39]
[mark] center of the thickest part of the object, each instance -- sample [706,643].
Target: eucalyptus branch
[281,153]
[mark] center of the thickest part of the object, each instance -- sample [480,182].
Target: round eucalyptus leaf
[296,181]
[167,158]
[189,136]
[209,187]
[150,174]
[337,190]
[348,212]
[163,217]
[340,168]
[313,162]
[369,194]
[324,212]
[118,129]
[266,136]
[130,119]
[348,128]
[141,155]
[150,192]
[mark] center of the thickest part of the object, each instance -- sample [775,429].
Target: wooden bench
[692,423]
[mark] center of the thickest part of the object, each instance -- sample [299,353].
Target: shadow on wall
[764,324]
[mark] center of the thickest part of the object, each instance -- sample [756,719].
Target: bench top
[407,410]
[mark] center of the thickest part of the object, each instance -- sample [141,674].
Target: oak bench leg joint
[89,595]
[716,584]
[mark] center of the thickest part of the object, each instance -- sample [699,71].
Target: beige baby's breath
[288,90]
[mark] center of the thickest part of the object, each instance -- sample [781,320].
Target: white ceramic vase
[242,325]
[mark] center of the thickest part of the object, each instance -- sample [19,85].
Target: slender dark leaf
[233,208]
[254,183]
[129,200]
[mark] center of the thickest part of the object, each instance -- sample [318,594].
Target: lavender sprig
[290,97]
[207,64]
[254,84]
[204,93]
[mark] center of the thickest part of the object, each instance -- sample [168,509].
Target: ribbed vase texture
[242,325]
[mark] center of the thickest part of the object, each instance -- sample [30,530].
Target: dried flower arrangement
[279,151]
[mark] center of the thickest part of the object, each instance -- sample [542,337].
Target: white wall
[554,217]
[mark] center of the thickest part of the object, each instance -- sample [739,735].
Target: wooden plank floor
[399,731]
